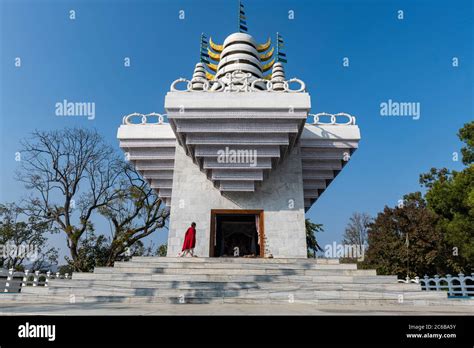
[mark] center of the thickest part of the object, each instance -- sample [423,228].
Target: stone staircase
[232,280]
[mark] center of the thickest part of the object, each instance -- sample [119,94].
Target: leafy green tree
[406,239]
[450,194]
[451,197]
[23,241]
[311,243]
[94,251]
[439,226]
[162,250]
[466,134]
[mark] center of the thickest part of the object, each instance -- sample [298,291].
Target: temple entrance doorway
[237,233]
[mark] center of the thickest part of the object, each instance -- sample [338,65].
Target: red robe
[189,239]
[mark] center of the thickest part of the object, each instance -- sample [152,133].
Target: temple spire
[278,77]
[242,19]
[281,57]
[199,77]
[204,56]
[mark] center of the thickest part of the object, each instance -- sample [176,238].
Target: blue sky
[407,60]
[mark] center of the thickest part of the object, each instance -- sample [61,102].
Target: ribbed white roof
[239,37]
[239,53]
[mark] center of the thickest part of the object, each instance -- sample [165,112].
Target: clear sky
[405,60]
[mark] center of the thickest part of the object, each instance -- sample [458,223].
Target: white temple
[237,155]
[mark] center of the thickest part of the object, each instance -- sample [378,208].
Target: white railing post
[46,281]
[25,278]
[450,285]
[470,288]
[462,282]
[9,279]
[417,280]
[66,275]
[466,290]
[57,275]
[436,279]
[36,278]
[425,283]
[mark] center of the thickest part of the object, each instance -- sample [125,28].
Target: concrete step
[223,271]
[226,285]
[246,293]
[237,260]
[275,298]
[232,280]
[130,287]
[231,265]
[237,278]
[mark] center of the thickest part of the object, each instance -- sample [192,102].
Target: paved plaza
[227,309]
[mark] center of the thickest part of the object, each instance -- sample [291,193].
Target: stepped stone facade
[237,143]
[282,223]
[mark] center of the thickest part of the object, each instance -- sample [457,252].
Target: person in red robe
[189,241]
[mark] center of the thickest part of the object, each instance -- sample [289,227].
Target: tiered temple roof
[239,99]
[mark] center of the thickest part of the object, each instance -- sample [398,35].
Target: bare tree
[135,214]
[73,173]
[357,228]
[74,176]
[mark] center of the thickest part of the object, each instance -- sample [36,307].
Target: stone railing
[11,281]
[341,119]
[144,119]
[456,286]
[236,81]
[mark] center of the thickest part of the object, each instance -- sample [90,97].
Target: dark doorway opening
[237,233]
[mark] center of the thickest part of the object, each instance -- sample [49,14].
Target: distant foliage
[94,251]
[451,196]
[439,225]
[18,230]
[357,229]
[406,239]
[162,250]
[311,243]
[466,134]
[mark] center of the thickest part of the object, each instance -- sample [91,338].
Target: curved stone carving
[181,79]
[349,119]
[286,85]
[236,81]
[268,85]
[144,118]
[216,86]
